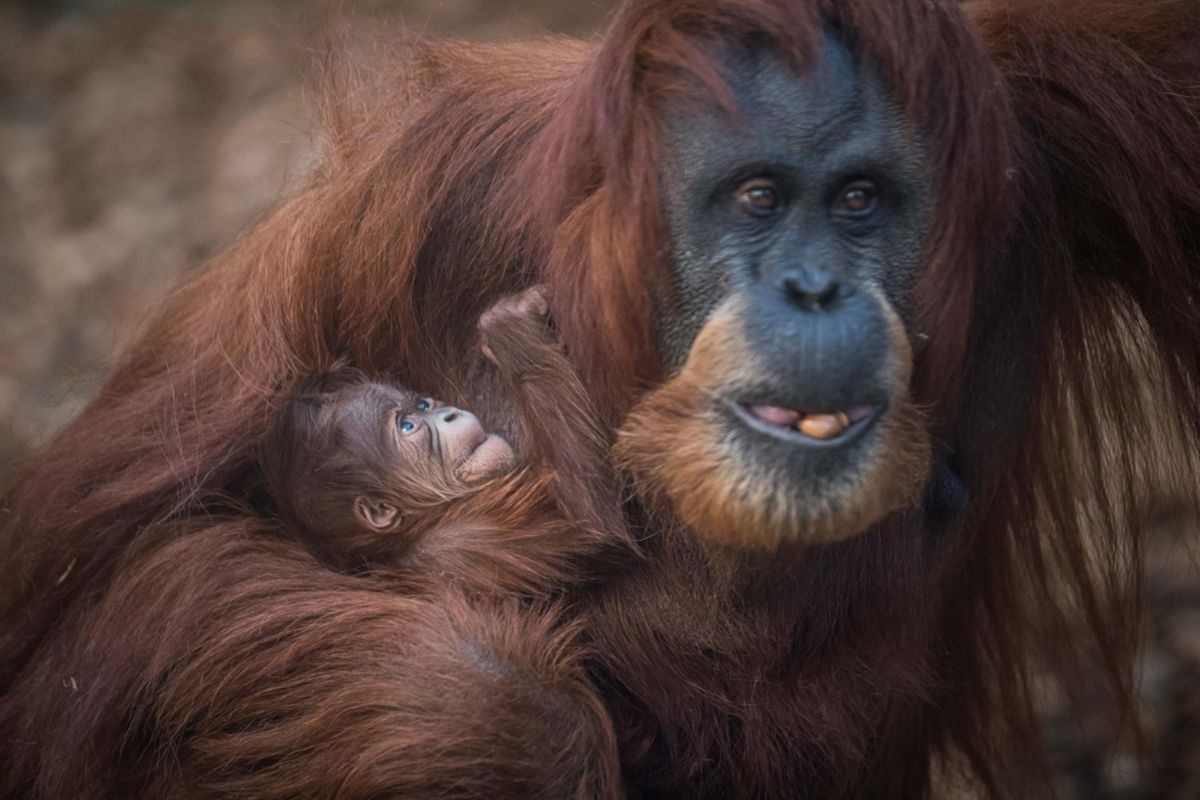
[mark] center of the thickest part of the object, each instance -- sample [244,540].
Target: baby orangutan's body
[374,475]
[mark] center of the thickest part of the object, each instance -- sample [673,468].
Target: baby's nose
[451,415]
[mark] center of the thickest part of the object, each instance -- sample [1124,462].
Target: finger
[536,300]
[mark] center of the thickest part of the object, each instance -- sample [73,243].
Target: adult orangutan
[800,250]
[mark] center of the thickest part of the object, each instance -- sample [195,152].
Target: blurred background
[138,137]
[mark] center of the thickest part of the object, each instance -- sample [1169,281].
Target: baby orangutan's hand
[514,330]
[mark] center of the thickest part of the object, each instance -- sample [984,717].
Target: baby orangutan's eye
[424,404]
[407,426]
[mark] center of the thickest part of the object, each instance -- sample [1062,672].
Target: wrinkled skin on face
[796,229]
[412,441]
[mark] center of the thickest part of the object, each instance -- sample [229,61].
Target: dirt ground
[139,138]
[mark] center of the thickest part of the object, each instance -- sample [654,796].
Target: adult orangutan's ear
[377,515]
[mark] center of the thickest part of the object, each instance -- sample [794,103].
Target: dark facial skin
[807,211]
[414,441]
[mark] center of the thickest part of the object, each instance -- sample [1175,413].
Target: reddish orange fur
[447,698]
[675,447]
[555,523]
[1062,143]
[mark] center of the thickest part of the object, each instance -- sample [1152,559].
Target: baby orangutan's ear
[377,515]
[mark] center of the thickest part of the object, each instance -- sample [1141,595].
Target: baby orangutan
[376,476]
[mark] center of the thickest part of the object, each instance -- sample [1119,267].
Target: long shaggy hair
[1058,310]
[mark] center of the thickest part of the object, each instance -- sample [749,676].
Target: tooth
[823,426]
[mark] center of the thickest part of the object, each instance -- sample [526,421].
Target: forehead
[362,405]
[784,116]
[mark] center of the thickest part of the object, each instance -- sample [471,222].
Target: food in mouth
[821,426]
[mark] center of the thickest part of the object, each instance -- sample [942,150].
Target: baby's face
[414,436]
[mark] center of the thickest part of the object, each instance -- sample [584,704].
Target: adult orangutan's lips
[821,426]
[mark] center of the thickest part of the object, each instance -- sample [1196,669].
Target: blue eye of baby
[408,426]
[423,405]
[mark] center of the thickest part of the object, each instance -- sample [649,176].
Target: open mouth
[807,427]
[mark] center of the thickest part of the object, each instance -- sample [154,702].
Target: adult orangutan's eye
[759,197]
[857,201]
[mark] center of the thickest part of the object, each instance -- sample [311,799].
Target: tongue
[774,415]
[860,413]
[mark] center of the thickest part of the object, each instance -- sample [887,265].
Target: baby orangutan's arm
[561,423]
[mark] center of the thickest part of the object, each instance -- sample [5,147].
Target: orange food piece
[823,426]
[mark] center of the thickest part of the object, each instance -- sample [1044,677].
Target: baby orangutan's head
[350,455]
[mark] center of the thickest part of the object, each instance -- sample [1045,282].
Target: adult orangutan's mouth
[807,427]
